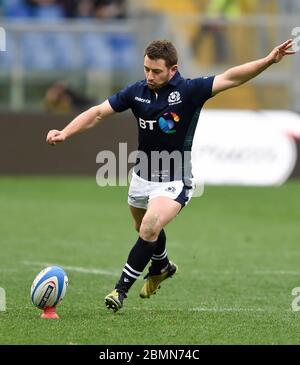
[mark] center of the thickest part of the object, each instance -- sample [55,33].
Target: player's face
[157,73]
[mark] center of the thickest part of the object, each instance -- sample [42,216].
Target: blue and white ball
[49,287]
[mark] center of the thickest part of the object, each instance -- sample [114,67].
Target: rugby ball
[49,287]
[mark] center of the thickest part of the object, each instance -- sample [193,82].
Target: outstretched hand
[280,51]
[54,136]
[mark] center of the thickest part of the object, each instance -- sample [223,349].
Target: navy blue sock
[138,259]
[159,259]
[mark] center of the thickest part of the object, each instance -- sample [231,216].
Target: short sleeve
[122,100]
[201,89]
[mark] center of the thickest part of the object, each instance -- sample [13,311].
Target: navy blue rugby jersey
[167,119]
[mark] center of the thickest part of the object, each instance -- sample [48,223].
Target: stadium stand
[95,41]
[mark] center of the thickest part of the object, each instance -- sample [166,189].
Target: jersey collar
[175,79]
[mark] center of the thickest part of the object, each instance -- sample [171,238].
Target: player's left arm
[238,75]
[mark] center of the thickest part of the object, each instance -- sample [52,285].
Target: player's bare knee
[148,235]
[149,229]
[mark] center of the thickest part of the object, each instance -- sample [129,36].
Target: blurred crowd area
[59,52]
[60,9]
[118,9]
[222,7]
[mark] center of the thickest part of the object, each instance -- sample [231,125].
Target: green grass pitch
[237,250]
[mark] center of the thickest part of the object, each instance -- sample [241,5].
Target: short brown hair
[163,49]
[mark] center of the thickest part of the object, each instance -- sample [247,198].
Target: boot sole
[110,303]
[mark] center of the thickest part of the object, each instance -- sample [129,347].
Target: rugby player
[166,106]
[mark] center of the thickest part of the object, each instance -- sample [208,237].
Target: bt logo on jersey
[166,123]
[143,123]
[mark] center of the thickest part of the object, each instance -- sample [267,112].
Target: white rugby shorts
[142,191]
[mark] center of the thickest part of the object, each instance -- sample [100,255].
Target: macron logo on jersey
[147,101]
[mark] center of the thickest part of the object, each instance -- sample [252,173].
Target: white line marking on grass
[83,270]
[116,273]
[203,309]
[3,269]
[276,272]
[239,273]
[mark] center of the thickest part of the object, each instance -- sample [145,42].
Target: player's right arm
[82,122]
